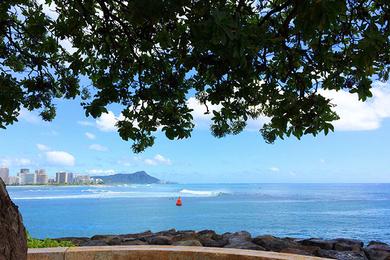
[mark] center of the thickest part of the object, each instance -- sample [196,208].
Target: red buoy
[178,202]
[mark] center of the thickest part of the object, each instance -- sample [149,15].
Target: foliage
[252,58]
[38,243]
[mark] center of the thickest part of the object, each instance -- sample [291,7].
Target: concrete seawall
[158,253]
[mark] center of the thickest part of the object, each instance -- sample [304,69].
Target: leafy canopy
[252,58]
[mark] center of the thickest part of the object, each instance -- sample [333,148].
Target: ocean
[360,211]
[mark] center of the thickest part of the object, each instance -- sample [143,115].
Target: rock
[13,239]
[105,238]
[342,244]
[116,241]
[133,242]
[95,243]
[188,243]
[341,255]
[160,240]
[241,240]
[323,244]
[147,233]
[272,243]
[184,235]
[213,243]
[209,238]
[206,233]
[374,243]
[170,232]
[377,251]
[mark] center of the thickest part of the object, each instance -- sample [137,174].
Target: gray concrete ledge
[158,253]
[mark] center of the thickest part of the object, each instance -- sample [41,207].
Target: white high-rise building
[41,177]
[13,180]
[4,174]
[22,176]
[30,178]
[82,179]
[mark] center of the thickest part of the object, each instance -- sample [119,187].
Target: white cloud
[29,117]
[203,120]
[150,162]
[274,169]
[98,147]
[60,158]
[200,118]
[15,162]
[101,171]
[5,162]
[22,162]
[130,161]
[90,135]
[157,159]
[161,159]
[356,115]
[42,147]
[85,123]
[107,122]
[293,173]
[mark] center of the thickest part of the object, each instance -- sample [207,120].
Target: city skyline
[40,177]
[355,152]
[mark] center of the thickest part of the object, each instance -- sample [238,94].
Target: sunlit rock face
[13,240]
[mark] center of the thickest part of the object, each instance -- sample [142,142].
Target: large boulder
[377,251]
[133,242]
[188,243]
[241,240]
[317,242]
[160,240]
[284,245]
[211,239]
[342,255]
[13,238]
[143,235]
[272,243]
[95,243]
[184,235]
[342,244]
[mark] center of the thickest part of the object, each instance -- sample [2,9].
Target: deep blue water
[360,211]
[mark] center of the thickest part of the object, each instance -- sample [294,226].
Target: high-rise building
[62,177]
[22,176]
[41,176]
[69,178]
[13,180]
[4,174]
[82,179]
[30,178]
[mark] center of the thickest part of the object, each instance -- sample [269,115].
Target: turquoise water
[360,211]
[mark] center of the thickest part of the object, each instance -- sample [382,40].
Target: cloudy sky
[357,152]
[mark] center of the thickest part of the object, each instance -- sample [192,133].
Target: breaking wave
[202,193]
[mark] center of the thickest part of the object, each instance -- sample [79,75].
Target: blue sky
[357,152]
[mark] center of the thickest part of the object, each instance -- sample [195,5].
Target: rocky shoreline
[340,248]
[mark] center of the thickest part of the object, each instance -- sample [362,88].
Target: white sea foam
[201,193]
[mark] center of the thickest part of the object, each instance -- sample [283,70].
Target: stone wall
[157,253]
